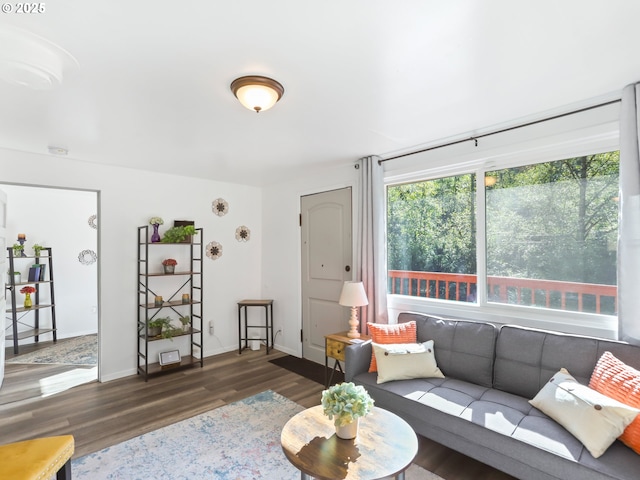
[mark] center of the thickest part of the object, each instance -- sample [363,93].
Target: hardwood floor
[103,414]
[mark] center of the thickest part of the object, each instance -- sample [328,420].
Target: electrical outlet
[210,327]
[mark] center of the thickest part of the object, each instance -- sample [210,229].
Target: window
[551,234]
[431,238]
[550,231]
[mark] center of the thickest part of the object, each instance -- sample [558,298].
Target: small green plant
[159,322]
[185,320]
[17,249]
[178,234]
[37,249]
[346,402]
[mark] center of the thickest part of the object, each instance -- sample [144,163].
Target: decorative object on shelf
[154,327]
[243,234]
[87,257]
[256,92]
[172,357]
[21,239]
[354,296]
[158,301]
[185,321]
[27,291]
[92,221]
[345,403]
[37,249]
[18,250]
[169,265]
[214,250]
[155,222]
[186,299]
[220,207]
[17,278]
[179,234]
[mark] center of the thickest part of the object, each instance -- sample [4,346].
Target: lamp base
[354,324]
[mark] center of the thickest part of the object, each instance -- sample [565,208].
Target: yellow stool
[37,459]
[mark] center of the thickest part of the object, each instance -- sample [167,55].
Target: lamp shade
[353,295]
[257,93]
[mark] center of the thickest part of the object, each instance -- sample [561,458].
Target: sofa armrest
[357,359]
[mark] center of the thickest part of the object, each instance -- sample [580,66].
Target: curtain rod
[503,130]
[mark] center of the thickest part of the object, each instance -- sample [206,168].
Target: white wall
[128,198]
[58,219]
[281,245]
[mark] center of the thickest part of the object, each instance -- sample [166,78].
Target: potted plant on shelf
[37,249]
[185,321]
[169,265]
[17,250]
[179,234]
[345,403]
[27,291]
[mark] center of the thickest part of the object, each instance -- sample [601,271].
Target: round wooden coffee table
[385,446]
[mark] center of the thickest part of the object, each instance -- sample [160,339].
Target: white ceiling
[361,77]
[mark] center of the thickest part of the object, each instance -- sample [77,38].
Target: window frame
[570,137]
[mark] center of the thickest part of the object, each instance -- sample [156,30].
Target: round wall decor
[87,257]
[243,234]
[214,250]
[220,207]
[92,221]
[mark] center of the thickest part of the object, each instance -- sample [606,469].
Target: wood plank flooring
[103,414]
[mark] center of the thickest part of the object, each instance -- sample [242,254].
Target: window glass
[551,232]
[431,238]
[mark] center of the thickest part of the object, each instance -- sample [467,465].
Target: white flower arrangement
[154,220]
[346,402]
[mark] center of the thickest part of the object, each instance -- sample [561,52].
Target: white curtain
[629,219]
[372,242]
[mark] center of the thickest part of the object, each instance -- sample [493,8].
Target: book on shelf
[34,273]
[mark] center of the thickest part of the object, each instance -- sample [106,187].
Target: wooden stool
[37,459]
[268,326]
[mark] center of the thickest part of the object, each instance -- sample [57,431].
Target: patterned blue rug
[72,351]
[239,441]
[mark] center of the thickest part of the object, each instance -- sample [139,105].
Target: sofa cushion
[616,379]
[390,333]
[402,361]
[464,349]
[527,358]
[594,419]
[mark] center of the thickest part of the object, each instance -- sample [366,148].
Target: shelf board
[169,274]
[35,307]
[185,362]
[174,303]
[32,332]
[9,285]
[181,334]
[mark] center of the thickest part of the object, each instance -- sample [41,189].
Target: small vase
[27,300]
[348,431]
[155,237]
[169,268]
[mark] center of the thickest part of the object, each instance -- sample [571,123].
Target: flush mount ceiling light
[29,60]
[256,92]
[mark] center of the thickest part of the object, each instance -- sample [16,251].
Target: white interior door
[326,265]
[3,277]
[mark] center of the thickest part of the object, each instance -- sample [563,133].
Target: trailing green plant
[185,320]
[159,322]
[37,249]
[178,234]
[167,330]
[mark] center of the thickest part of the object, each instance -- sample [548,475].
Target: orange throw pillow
[619,381]
[387,334]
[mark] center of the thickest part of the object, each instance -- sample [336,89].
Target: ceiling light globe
[257,93]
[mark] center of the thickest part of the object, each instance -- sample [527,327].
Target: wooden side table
[268,326]
[385,446]
[334,347]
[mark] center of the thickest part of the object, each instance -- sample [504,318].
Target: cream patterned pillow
[402,361]
[594,419]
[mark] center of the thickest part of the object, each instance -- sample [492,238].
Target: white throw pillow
[594,419]
[402,361]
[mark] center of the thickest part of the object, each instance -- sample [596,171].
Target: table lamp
[354,296]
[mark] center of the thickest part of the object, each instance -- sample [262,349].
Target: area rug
[308,369]
[239,441]
[73,351]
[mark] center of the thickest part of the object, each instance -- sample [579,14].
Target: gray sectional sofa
[481,407]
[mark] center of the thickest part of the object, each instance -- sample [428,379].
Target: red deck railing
[581,297]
